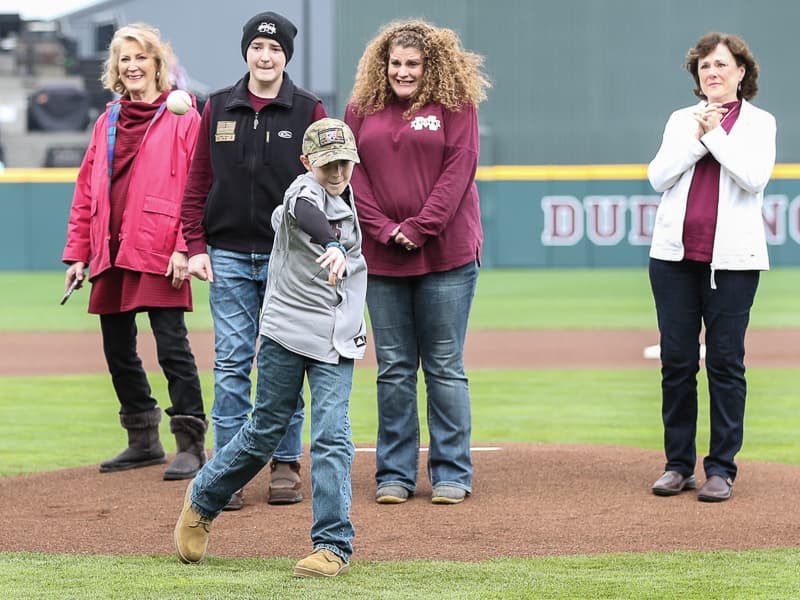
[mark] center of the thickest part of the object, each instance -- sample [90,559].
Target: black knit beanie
[273,26]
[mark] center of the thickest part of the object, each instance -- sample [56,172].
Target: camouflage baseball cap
[328,140]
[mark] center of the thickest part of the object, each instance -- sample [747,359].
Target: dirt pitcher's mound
[529,500]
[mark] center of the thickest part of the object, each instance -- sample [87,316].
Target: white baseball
[179,102]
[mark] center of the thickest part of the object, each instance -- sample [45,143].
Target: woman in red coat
[124,226]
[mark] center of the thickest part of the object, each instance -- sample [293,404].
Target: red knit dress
[120,290]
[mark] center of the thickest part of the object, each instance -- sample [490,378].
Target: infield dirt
[528,500]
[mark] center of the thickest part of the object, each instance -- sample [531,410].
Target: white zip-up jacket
[747,158]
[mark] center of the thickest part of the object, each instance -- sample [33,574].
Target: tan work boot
[284,483]
[191,531]
[321,563]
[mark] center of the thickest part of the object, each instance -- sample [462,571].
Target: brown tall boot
[284,483]
[144,446]
[190,437]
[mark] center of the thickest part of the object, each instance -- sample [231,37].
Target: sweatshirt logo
[360,340]
[287,135]
[430,122]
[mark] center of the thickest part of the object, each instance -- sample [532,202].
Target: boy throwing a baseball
[312,323]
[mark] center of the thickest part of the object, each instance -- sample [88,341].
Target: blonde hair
[148,38]
[452,76]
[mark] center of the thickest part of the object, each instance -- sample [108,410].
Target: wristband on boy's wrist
[336,245]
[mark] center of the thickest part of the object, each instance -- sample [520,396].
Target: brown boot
[284,483]
[236,502]
[144,446]
[190,438]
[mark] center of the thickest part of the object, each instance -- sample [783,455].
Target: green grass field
[505,299]
[620,407]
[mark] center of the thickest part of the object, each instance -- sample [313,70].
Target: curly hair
[451,76]
[744,57]
[148,38]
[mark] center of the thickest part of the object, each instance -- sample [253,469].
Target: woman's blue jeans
[235,298]
[280,378]
[684,301]
[422,320]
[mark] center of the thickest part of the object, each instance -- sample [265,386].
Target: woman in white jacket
[708,249]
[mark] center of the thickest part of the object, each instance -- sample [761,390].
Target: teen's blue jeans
[235,297]
[685,301]
[422,320]
[280,378]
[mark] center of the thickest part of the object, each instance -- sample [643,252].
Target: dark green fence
[533,216]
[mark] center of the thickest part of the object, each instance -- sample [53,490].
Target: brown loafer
[716,489]
[672,483]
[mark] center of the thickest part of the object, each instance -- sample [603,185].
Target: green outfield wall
[533,216]
[601,215]
[35,207]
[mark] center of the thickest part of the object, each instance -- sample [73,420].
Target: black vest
[254,158]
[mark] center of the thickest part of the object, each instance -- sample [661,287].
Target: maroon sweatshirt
[418,174]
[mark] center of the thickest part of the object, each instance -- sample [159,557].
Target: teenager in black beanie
[247,154]
[273,26]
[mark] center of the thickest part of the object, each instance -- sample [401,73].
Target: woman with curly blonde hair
[413,111]
[452,75]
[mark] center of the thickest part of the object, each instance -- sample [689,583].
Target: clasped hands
[400,239]
[709,117]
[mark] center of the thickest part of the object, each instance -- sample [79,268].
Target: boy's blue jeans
[235,297]
[415,320]
[280,378]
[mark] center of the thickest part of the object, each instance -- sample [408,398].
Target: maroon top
[418,174]
[700,222]
[257,102]
[120,290]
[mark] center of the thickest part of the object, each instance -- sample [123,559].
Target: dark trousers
[174,355]
[684,302]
